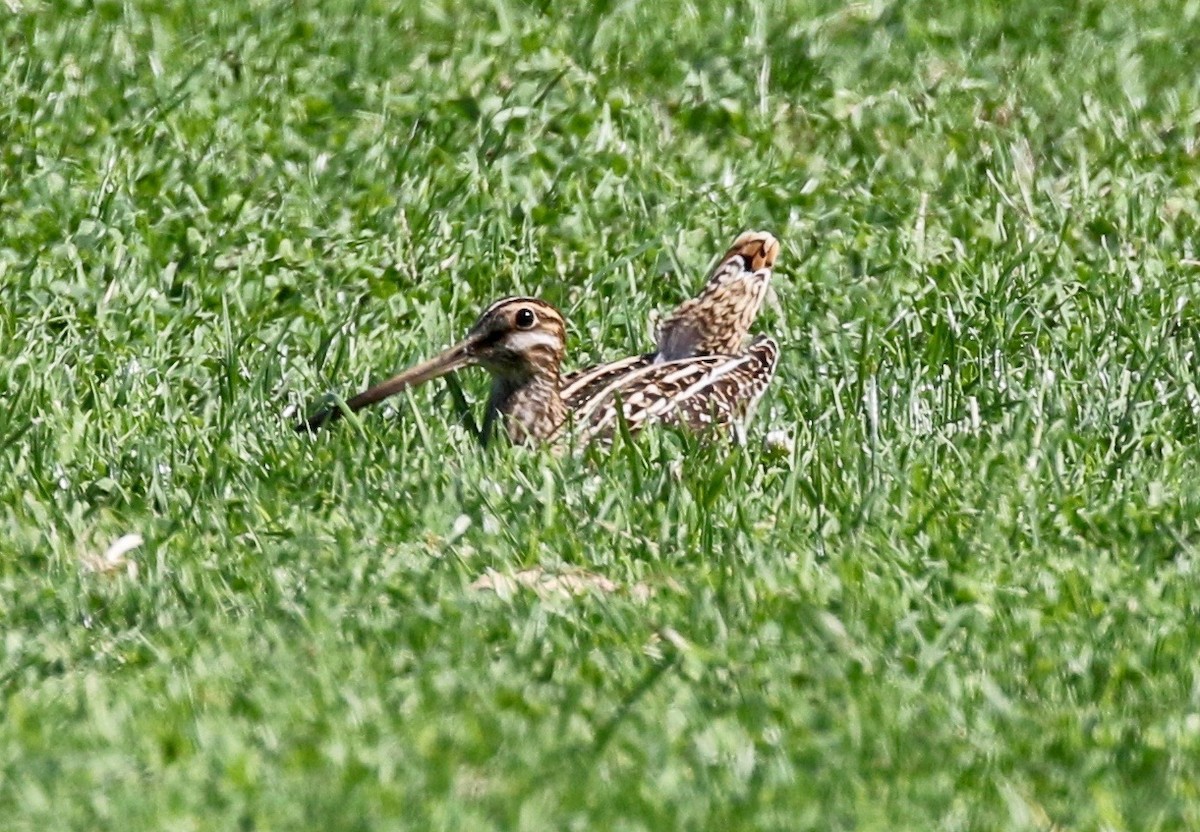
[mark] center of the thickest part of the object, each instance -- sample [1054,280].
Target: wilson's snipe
[520,341]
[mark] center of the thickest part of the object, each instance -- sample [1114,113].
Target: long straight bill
[452,359]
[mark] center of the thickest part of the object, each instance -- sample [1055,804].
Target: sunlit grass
[963,599]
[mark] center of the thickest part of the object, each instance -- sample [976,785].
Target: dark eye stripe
[491,339]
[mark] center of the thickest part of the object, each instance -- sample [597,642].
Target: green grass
[966,600]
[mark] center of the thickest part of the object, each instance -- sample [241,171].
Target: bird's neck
[531,408]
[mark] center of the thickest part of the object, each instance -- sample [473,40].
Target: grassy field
[966,599]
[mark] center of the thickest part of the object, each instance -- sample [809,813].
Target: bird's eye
[525,318]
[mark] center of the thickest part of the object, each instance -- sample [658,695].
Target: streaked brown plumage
[520,341]
[700,392]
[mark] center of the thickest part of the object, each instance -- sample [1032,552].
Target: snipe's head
[717,321]
[516,339]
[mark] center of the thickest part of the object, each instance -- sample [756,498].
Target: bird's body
[702,392]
